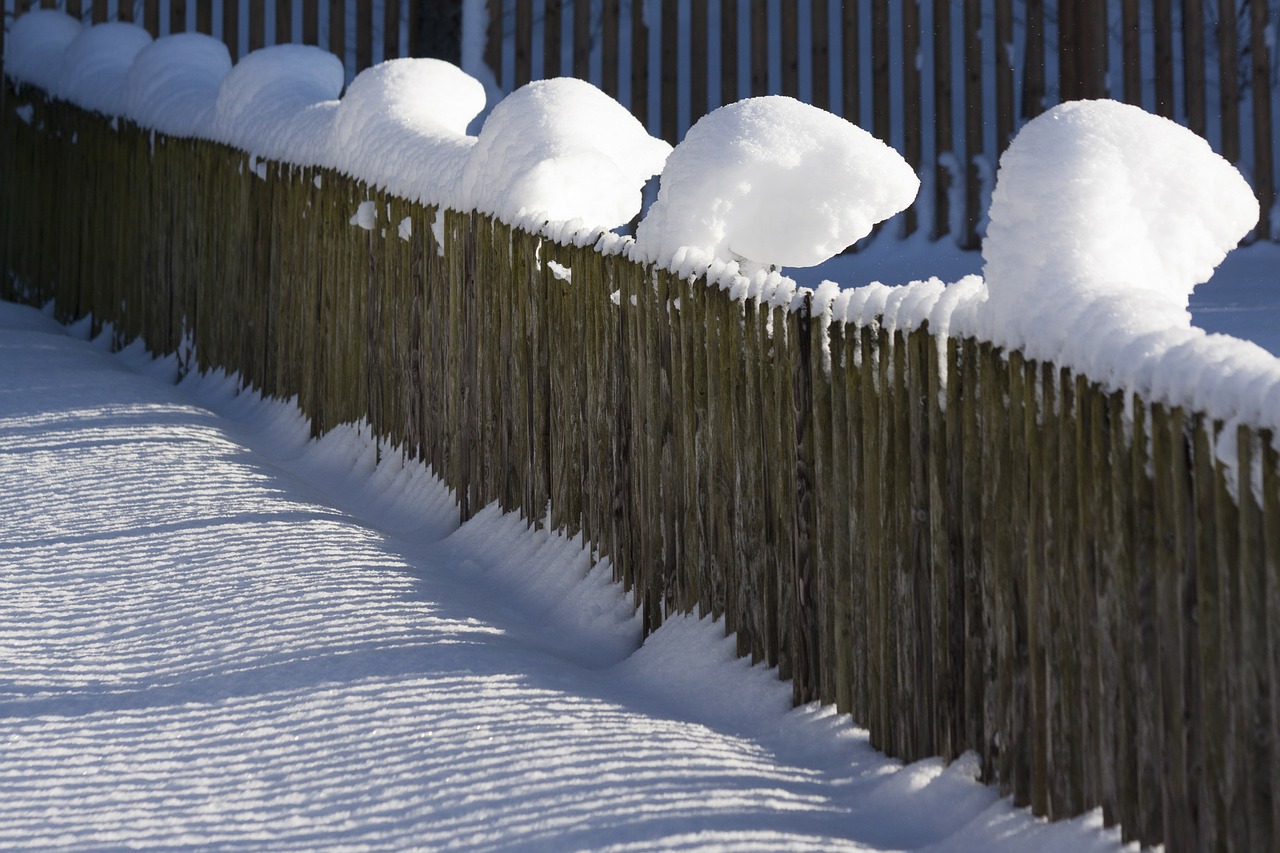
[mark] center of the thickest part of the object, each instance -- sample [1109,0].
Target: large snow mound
[96,63]
[773,181]
[562,150]
[267,104]
[34,47]
[1103,220]
[402,124]
[173,84]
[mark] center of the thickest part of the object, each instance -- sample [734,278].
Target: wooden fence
[946,82]
[1060,578]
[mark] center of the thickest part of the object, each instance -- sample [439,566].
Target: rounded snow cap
[96,64]
[774,181]
[34,47]
[173,83]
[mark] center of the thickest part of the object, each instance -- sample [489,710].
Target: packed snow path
[216,633]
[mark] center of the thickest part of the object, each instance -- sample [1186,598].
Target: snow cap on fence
[402,124]
[279,102]
[173,84]
[774,181]
[561,150]
[96,63]
[1103,220]
[34,47]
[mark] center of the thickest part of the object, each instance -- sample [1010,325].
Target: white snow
[34,47]
[279,102]
[774,182]
[221,634]
[173,83]
[96,63]
[402,125]
[562,151]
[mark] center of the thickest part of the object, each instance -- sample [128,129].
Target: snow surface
[34,47]
[96,63]
[221,634]
[173,83]
[402,125]
[562,150]
[775,182]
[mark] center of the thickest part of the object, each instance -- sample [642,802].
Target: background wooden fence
[946,82]
[1058,577]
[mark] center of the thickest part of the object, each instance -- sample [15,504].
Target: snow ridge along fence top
[947,83]
[1067,580]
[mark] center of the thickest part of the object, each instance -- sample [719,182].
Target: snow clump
[402,124]
[562,150]
[279,102]
[96,63]
[34,47]
[773,181]
[1103,220]
[173,84]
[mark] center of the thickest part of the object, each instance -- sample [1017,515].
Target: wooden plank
[124,8]
[668,73]
[1038,449]
[151,20]
[1131,39]
[911,131]
[1193,59]
[311,22]
[728,51]
[973,134]
[1162,25]
[523,70]
[1069,71]
[821,53]
[1093,50]
[391,31]
[284,21]
[699,55]
[881,109]
[1260,63]
[977,735]
[551,27]
[1212,643]
[639,65]
[953,598]
[257,26]
[74,9]
[338,29]
[943,127]
[790,49]
[177,16]
[230,28]
[1033,61]
[759,48]
[610,30]
[1004,59]
[1270,567]
[1228,82]
[364,36]
[851,83]
[1014,545]
[204,16]
[495,32]
[1149,821]
[582,39]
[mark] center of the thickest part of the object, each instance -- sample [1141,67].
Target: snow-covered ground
[219,634]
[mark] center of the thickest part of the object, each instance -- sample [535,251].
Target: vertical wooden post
[790,58]
[338,30]
[911,100]
[524,43]
[728,51]
[364,36]
[230,28]
[1033,62]
[609,26]
[124,8]
[973,106]
[1162,15]
[943,128]
[151,19]
[639,65]
[1193,58]
[668,103]
[582,39]
[1004,74]
[1093,50]
[699,51]
[257,26]
[850,53]
[551,26]
[73,9]
[1260,52]
[177,16]
[391,30]
[1069,88]
[284,21]
[759,48]
[204,16]
[1131,37]
[311,22]
[821,53]
[1228,80]
[880,106]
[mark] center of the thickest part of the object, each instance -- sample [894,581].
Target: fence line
[1061,578]
[995,63]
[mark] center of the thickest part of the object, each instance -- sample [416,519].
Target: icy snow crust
[1103,219]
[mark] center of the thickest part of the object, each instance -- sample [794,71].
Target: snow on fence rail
[1062,577]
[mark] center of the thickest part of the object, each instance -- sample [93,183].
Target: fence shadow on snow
[1057,577]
